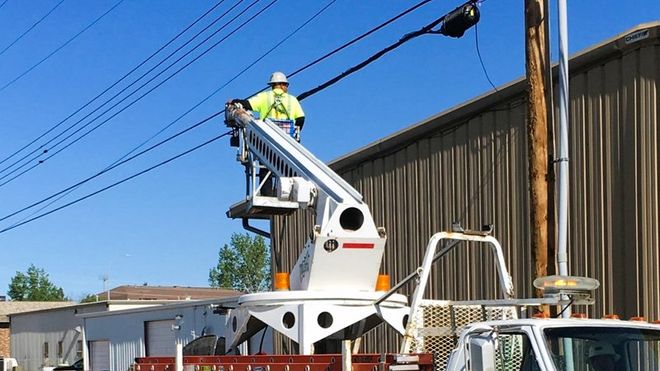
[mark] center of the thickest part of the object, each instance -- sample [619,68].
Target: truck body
[332,295]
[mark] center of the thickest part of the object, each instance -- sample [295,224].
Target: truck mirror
[482,353]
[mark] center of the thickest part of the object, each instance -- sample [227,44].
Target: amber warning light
[566,284]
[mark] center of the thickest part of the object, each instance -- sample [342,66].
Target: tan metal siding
[470,164]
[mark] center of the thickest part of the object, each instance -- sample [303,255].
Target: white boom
[333,281]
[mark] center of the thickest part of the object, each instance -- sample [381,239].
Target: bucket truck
[332,289]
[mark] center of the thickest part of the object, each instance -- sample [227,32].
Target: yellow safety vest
[276,104]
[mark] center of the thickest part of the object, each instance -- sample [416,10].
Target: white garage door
[160,338]
[100,350]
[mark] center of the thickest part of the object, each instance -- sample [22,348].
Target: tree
[243,265]
[34,285]
[89,298]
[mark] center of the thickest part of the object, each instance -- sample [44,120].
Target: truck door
[516,351]
[513,349]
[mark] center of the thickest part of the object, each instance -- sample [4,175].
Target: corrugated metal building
[49,337]
[114,339]
[469,164]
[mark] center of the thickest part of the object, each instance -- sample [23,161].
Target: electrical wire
[239,74]
[30,28]
[122,90]
[113,85]
[116,164]
[344,46]
[130,104]
[318,60]
[565,308]
[121,162]
[118,183]
[60,47]
[3,3]
[123,159]
[483,67]
[407,37]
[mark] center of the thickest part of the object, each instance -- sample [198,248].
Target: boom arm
[345,249]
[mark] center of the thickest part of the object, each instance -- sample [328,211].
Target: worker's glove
[296,134]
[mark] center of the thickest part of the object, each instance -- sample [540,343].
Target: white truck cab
[558,344]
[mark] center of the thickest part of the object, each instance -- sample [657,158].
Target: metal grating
[437,326]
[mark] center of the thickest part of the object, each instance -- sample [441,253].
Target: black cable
[117,183]
[230,80]
[261,342]
[483,67]
[123,90]
[111,86]
[566,307]
[123,159]
[407,37]
[422,31]
[359,38]
[30,28]
[60,47]
[318,60]
[116,164]
[129,105]
[3,3]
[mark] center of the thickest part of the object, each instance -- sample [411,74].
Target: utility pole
[537,131]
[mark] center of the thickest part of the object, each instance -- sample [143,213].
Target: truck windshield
[604,348]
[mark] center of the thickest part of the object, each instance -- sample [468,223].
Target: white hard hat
[278,78]
[601,348]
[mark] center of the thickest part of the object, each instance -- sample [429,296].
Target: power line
[117,183]
[31,27]
[3,3]
[428,29]
[114,165]
[121,91]
[122,160]
[231,79]
[130,104]
[483,67]
[425,29]
[60,47]
[113,85]
[344,46]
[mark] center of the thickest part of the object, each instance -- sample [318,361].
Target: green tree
[89,298]
[34,285]
[243,265]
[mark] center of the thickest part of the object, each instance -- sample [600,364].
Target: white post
[346,356]
[178,362]
[562,227]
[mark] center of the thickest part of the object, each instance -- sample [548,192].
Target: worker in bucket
[276,104]
[602,356]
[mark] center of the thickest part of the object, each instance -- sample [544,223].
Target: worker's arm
[300,121]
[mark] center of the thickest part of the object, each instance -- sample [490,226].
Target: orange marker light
[383,282]
[281,282]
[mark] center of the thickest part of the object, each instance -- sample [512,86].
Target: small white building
[114,339]
[49,337]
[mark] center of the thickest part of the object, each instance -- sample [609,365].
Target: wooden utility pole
[537,131]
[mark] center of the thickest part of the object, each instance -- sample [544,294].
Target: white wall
[126,333]
[29,332]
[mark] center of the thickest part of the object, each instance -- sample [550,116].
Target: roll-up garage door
[160,338]
[100,358]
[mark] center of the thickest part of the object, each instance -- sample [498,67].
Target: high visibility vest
[276,104]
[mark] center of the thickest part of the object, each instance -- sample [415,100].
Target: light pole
[106,276]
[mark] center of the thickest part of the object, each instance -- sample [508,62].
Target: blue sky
[165,227]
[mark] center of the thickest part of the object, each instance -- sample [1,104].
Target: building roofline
[99,303]
[230,301]
[611,47]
